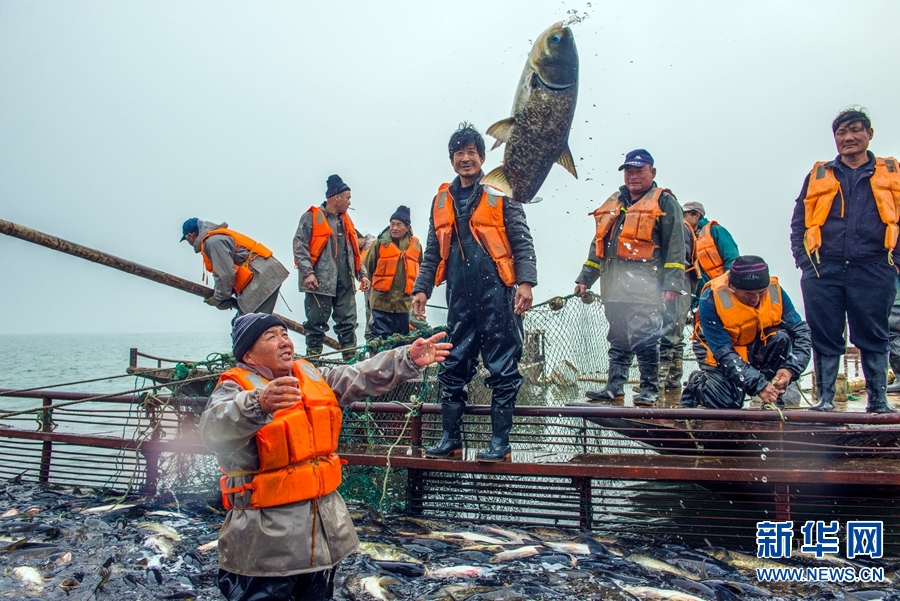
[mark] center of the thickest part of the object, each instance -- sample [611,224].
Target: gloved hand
[228,303]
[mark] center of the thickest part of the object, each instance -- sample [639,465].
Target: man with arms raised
[273,423]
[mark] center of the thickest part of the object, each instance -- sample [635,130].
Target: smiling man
[273,423]
[393,261]
[750,340]
[844,240]
[638,255]
[479,243]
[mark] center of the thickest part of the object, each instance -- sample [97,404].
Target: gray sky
[119,120]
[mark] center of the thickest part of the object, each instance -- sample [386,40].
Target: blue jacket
[858,236]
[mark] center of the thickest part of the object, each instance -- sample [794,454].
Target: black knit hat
[335,185]
[749,272]
[246,330]
[402,214]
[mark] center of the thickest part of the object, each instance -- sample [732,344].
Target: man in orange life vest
[714,247]
[479,243]
[326,253]
[393,262]
[240,266]
[638,254]
[844,240]
[750,339]
[273,423]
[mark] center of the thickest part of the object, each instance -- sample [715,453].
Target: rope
[413,411]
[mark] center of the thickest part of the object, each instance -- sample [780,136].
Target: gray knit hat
[246,330]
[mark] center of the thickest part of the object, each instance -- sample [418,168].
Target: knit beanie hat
[402,214]
[335,185]
[246,330]
[749,272]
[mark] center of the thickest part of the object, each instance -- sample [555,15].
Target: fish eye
[555,38]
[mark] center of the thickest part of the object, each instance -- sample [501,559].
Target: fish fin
[497,179]
[566,160]
[501,130]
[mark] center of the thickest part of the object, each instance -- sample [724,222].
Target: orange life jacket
[743,323]
[707,252]
[389,257]
[486,225]
[824,186]
[243,274]
[636,239]
[322,232]
[297,460]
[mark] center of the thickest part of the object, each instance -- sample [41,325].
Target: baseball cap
[191,226]
[637,158]
[693,206]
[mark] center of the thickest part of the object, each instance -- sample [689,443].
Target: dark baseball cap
[191,226]
[637,158]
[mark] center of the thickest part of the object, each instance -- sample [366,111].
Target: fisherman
[393,263]
[479,243]
[715,249]
[247,277]
[287,527]
[710,252]
[675,315]
[749,339]
[365,241]
[638,254]
[326,253]
[844,237]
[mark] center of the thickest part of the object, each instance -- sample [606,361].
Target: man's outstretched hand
[425,351]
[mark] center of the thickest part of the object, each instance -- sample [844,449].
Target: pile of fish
[64,543]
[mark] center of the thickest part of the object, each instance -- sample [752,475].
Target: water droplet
[764,479]
[763,456]
[765,449]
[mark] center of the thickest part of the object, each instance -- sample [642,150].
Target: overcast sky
[119,120]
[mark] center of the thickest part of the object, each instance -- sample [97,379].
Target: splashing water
[574,17]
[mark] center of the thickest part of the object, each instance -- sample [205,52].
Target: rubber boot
[826,369]
[501,424]
[615,385]
[875,370]
[676,372]
[664,371]
[895,365]
[649,394]
[450,445]
[313,351]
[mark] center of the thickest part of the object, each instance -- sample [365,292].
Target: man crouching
[750,340]
[274,423]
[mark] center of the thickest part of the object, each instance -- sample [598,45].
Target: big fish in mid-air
[537,133]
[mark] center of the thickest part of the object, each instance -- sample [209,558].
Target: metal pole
[96,256]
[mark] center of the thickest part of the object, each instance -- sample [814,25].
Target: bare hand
[418,305]
[280,393]
[310,282]
[580,289]
[523,298]
[364,284]
[425,351]
[670,295]
[783,377]
[769,394]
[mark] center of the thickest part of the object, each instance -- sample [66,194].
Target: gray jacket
[268,274]
[326,268]
[622,280]
[277,541]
